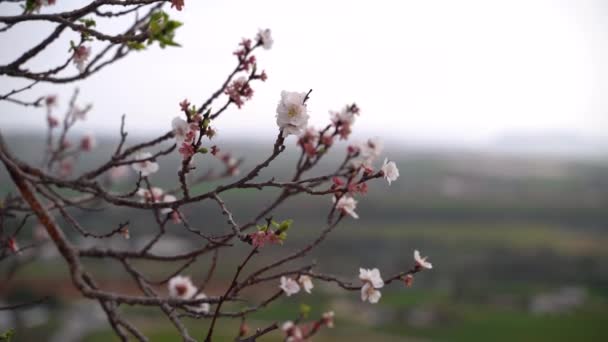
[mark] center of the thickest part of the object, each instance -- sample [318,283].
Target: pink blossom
[186,150]
[52,121]
[239,91]
[66,167]
[50,101]
[87,143]
[184,105]
[81,55]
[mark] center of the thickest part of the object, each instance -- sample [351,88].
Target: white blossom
[292,116]
[80,57]
[345,116]
[200,308]
[370,294]
[347,204]
[147,167]
[371,149]
[372,281]
[167,199]
[181,287]
[180,128]
[328,318]
[371,276]
[306,283]
[292,332]
[266,38]
[289,286]
[390,171]
[421,261]
[154,194]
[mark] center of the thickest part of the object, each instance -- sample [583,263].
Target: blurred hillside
[519,243]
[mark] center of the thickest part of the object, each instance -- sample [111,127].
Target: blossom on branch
[421,261]
[265,38]
[372,281]
[306,283]
[80,56]
[180,129]
[181,287]
[292,332]
[328,319]
[292,116]
[146,167]
[201,308]
[289,286]
[347,205]
[154,194]
[87,143]
[390,171]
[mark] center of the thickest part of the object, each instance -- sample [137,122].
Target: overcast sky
[441,71]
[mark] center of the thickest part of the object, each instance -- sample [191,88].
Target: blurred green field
[504,234]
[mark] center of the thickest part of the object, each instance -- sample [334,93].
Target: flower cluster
[371,283]
[344,119]
[291,286]
[155,195]
[185,134]
[182,288]
[239,91]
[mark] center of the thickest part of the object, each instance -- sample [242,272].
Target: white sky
[441,71]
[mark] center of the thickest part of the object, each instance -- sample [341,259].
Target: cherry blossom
[239,90]
[347,205]
[265,38]
[421,261]
[390,171]
[168,199]
[186,150]
[201,308]
[52,121]
[66,167]
[180,128]
[154,194]
[408,280]
[371,149]
[306,283]
[328,319]
[181,287]
[80,57]
[289,286]
[372,281]
[370,294]
[88,142]
[146,167]
[292,116]
[292,332]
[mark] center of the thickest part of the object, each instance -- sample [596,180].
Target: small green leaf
[7,336]
[88,22]
[305,310]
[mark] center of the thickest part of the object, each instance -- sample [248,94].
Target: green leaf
[7,336]
[88,22]
[137,46]
[285,225]
[305,310]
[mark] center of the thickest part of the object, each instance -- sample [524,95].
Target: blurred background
[493,111]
